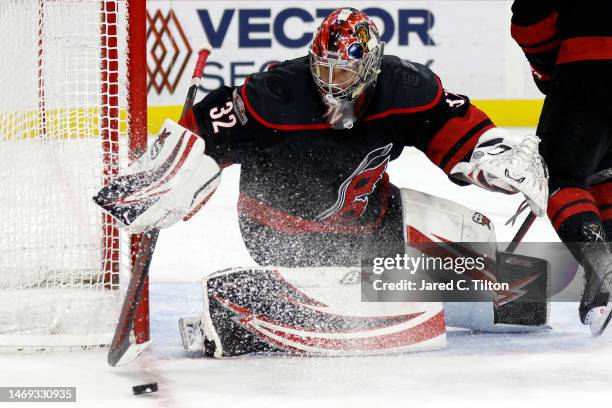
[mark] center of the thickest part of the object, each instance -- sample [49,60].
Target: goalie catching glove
[172,180]
[508,164]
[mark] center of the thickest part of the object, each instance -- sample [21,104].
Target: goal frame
[110,121]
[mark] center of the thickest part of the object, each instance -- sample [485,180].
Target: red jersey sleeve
[455,127]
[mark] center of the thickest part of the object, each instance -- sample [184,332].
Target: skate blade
[187,328]
[600,325]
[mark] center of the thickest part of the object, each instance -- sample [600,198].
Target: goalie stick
[522,231]
[122,349]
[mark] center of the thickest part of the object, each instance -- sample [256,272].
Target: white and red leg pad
[311,311]
[432,220]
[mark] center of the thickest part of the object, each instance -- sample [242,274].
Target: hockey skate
[594,310]
[194,340]
[597,319]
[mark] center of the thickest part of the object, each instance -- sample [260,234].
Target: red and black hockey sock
[602,193]
[571,209]
[575,215]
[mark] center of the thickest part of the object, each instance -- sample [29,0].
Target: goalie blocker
[169,182]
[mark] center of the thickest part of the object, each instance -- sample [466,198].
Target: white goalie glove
[509,164]
[172,180]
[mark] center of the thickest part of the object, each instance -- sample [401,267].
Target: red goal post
[72,115]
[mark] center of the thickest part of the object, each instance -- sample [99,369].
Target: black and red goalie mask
[345,57]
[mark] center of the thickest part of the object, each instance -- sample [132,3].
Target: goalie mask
[345,57]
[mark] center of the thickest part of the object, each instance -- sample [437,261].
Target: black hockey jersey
[312,195]
[554,32]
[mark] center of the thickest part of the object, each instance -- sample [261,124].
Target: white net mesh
[59,133]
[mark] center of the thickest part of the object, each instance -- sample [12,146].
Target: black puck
[144,388]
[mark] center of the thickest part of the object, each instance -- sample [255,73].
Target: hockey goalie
[314,137]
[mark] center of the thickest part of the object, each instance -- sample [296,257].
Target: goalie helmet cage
[72,114]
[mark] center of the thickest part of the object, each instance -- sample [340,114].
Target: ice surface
[563,366]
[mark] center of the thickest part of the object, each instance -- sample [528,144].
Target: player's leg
[602,192]
[595,300]
[306,311]
[575,137]
[310,310]
[601,189]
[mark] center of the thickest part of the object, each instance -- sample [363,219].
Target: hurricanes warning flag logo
[354,191]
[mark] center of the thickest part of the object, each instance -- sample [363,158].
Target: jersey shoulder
[284,97]
[221,104]
[404,87]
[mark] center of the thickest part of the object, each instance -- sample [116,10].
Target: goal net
[65,128]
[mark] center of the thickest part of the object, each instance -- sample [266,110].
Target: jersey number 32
[223,117]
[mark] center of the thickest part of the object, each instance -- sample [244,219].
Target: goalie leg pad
[311,311]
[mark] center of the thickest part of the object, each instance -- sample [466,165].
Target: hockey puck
[144,388]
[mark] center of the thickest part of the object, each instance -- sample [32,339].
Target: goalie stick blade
[121,341]
[126,353]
